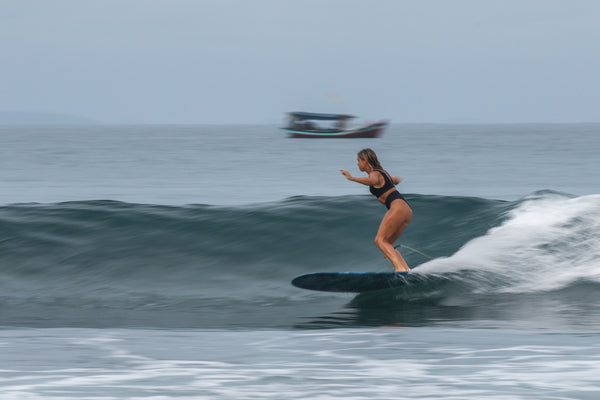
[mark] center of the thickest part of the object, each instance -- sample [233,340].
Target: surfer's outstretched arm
[372,179]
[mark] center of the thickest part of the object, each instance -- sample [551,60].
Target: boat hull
[369,131]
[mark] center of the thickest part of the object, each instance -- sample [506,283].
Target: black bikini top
[386,186]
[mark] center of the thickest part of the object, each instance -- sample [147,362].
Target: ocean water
[154,262]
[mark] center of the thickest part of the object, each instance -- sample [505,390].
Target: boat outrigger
[304,125]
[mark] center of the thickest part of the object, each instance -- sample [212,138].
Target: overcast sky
[249,61]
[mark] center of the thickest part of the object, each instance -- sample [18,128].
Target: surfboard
[355,282]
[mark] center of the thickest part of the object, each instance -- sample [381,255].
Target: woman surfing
[399,213]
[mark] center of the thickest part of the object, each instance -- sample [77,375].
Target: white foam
[547,243]
[349,364]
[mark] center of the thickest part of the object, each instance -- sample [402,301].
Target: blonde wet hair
[371,157]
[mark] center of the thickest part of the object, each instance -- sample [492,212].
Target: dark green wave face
[104,263]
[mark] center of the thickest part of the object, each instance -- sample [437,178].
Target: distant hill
[24,118]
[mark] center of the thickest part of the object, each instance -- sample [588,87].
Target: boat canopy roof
[318,116]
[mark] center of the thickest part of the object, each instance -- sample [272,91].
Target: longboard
[355,282]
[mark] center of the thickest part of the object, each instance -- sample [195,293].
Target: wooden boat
[315,125]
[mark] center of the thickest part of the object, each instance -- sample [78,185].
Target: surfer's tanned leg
[390,229]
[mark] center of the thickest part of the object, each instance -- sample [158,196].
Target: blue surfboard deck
[355,282]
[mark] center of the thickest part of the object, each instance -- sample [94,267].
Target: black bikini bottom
[395,195]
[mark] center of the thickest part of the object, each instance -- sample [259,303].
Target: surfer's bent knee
[380,241]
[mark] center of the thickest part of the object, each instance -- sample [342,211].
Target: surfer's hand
[345,173]
[396,180]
